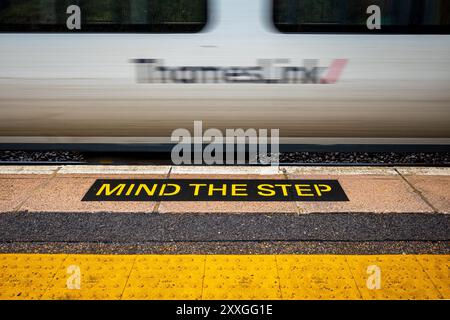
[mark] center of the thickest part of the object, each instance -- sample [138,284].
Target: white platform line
[228,170]
[28,169]
[340,171]
[99,169]
[424,171]
[221,170]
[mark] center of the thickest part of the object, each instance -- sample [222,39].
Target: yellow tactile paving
[438,269]
[44,276]
[241,278]
[402,277]
[316,277]
[90,277]
[165,277]
[27,276]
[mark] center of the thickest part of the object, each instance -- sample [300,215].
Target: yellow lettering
[284,188]
[266,190]
[322,188]
[197,187]
[212,189]
[130,189]
[147,190]
[235,188]
[303,188]
[176,190]
[109,192]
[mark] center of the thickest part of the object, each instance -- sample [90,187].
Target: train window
[153,16]
[363,16]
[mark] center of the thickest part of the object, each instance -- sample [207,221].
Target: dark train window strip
[360,29]
[112,28]
[104,16]
[350,16]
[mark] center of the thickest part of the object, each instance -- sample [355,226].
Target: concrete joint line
[32,192]
[424,199]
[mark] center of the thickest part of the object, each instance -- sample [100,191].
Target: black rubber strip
[144,227]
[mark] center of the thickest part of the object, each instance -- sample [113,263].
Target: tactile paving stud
[241,277]
[438,269]
[401,277]
[26,276]
[101,277]
[316,277]
[165,277]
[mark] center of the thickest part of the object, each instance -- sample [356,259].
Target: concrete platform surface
[377,190]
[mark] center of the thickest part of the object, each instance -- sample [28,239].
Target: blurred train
[127,73]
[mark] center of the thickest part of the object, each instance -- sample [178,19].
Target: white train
[238,64]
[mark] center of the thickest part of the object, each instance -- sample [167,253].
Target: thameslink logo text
[271,71]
